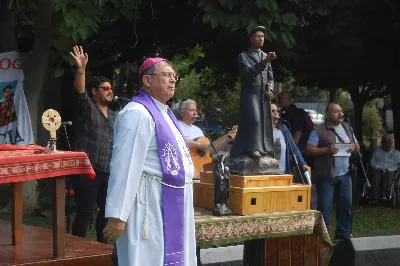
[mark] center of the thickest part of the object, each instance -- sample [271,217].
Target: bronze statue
[221,187]
[252,151]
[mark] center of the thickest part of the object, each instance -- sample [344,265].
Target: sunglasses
[106,88]
[275,111]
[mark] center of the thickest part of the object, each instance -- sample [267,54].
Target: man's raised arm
[81,60]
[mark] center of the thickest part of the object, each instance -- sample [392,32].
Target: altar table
[20,163]
[290,238]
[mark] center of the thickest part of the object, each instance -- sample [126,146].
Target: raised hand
[270,56]
[81,59]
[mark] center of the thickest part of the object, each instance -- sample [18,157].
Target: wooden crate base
[245,201]
[251,181]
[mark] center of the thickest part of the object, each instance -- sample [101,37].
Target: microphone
[341,116]
[198,118]
[117,99]
[68,123]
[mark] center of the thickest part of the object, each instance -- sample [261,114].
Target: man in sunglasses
[94,134]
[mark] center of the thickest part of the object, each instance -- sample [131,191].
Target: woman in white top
[186,113]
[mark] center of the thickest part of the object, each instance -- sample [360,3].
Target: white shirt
[190,132]
[385,160]
[282,159]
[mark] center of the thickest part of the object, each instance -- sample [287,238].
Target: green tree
[41,29]
[338,51]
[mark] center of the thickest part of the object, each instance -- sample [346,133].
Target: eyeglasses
[106,88]
[275,111]
[169,75]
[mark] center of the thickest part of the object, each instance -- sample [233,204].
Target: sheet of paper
[343,147]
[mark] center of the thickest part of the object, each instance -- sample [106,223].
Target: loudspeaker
[367,251]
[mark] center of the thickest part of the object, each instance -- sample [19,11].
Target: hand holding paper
[332,149]
[344,149]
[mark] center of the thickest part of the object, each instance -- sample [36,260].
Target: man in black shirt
[94,134]
[295,117]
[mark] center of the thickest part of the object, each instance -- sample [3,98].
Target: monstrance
[51,121]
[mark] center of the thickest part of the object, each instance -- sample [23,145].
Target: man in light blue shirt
[384,164]
[331,173]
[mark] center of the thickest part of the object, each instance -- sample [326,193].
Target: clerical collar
[160,105]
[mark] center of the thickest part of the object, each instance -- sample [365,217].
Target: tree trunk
[8,41]
[332,96]
[359,103]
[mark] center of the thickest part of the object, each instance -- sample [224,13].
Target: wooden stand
[36,249]
[255,194]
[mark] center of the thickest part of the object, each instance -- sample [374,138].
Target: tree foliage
[279,17]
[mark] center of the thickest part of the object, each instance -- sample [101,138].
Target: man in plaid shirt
[94,134]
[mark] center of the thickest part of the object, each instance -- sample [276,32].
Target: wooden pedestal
[256,194]
[251,181]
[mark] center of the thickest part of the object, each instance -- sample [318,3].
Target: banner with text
[15,122]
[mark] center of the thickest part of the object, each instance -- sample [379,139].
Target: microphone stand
[355,175]
[68,188]
[359,157]
[292,151]
[200,122]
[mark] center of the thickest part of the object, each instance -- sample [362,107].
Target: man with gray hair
[150,191]
[384,164]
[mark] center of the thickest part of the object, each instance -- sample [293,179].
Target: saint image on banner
[7,107]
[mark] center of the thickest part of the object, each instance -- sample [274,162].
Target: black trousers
[87,192]
[381,182]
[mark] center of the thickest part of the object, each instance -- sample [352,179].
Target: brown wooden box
[245,201]
[251,181]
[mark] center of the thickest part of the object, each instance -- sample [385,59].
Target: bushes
[372,122]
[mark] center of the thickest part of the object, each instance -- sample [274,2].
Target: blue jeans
[325,191]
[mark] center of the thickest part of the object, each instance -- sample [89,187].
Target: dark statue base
[246,166]
[221,210]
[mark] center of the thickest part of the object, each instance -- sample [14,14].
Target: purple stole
[173,175]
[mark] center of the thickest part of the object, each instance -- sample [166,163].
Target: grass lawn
[372,220]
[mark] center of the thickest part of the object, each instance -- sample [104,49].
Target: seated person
[383,167]
[282,137]
[186,113]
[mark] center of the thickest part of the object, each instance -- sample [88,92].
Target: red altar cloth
[20,163]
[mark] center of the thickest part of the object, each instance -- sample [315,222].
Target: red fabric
[10,147]
[71,192]
[18,165]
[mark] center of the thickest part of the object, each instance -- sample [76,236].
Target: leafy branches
[279,19]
